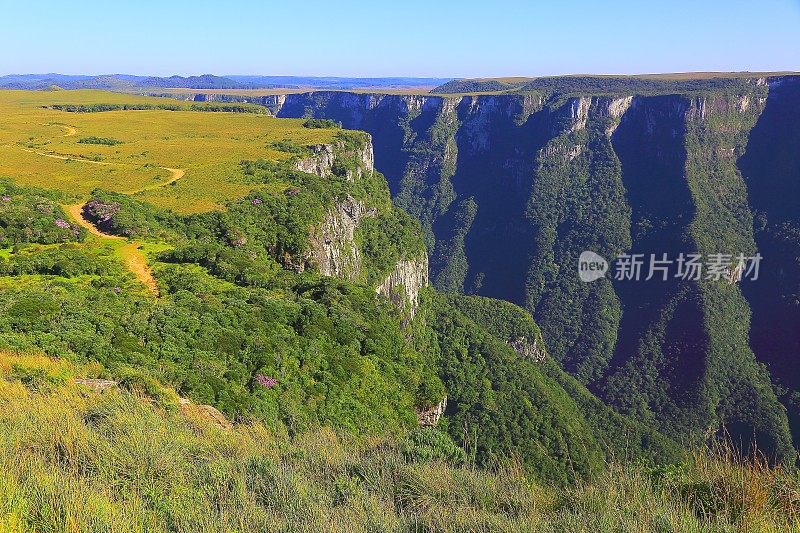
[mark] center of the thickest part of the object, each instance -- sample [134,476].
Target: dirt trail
[70,130]
[70,158]
[175,173]
[134,259]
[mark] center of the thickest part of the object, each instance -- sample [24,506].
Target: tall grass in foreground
[72,460]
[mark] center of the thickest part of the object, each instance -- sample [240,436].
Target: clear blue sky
[402,38]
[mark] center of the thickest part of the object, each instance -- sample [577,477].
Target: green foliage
[499,402]
[316,123]
[107,141]
[209,107]
[255,232]
[139,381]
[66,260]
[229,108]
[288,146]
[385,240]
[504,320]
[230,310]
[37,378]
[98,108]
[428,444]
[600,85]
[337,351]
[29,215]
[579,320]
[544,176]
[621,438]
[236,265]
[665,380]
[114,462]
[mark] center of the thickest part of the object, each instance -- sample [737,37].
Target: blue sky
[400,38]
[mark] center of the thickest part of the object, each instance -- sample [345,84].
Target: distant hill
[121,82]
[597,84]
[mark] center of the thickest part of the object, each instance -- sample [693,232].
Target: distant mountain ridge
[608,84]
[597,84]
[206,81]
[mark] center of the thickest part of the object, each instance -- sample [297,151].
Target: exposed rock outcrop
[324,158]
[402,286]
[529,349]
[613,108]
[320,162]
[333,249]
[579,112]
[204,411]
[505,185]
[430,417]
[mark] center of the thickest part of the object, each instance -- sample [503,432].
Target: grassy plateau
[138,152]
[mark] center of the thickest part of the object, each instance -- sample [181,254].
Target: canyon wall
[511,188]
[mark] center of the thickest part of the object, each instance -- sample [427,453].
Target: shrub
[107,141]
[428,444]
[317,123]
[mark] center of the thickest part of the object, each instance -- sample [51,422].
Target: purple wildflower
[61,223]
[266,381]
[257,201]
[117,290]
[6,198]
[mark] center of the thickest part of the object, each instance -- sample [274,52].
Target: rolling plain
[182,160]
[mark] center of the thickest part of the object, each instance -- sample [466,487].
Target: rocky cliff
[335,243]
[323,159]
[333,248]
[404,283]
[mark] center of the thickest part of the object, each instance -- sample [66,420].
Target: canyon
[510,188]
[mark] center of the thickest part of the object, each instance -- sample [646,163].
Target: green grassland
[40,146]
[128,459]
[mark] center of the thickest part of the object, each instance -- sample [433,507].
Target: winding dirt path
[70,130]
[70,158]
[175,173]
[134,259]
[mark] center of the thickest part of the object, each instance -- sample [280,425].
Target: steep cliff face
[509,190]
[323,159]
[404,283]
[335,243]
[333,248]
